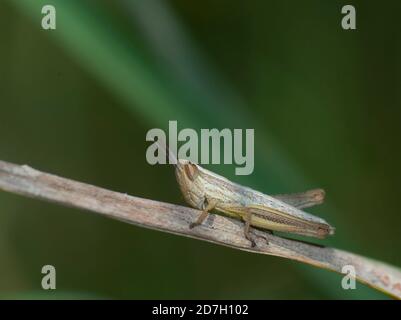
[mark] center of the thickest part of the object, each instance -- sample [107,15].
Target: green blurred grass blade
[120,65]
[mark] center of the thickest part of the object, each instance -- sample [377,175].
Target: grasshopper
[207,191]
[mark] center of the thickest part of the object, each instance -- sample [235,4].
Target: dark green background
[78,101]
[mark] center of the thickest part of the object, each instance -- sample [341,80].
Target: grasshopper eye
[191,171]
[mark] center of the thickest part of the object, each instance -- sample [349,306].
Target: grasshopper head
[187,170]
[187,173]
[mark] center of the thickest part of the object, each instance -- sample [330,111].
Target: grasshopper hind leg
[208,205]
[248,220]
[245,214]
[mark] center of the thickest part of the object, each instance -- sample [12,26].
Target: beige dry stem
[175,219]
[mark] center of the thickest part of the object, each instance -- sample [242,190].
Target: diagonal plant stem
[24,180]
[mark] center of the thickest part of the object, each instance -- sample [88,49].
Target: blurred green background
[78,101]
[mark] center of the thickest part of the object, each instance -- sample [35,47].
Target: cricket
[207,191]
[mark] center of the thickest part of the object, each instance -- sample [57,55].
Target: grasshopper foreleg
[208,206]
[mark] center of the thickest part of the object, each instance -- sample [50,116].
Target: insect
[207,191]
